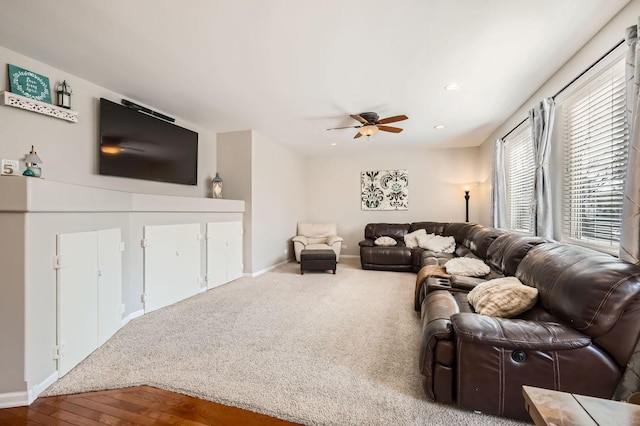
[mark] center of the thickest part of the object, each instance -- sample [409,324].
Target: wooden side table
[549,407]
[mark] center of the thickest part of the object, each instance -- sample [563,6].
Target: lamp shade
[32,157]
[368,130]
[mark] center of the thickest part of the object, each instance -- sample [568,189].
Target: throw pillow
[423,238]
[502,297]
[411,239]
[439,244]
[385,241]
[467,266]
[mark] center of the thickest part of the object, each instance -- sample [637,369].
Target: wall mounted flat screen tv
[136,145]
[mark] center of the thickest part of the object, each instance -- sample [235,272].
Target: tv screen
[136,145]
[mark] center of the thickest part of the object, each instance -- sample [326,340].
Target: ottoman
[317,260]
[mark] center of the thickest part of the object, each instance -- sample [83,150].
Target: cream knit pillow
[503,297]
[467,266]
[385,241]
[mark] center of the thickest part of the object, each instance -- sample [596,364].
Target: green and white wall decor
[384,190]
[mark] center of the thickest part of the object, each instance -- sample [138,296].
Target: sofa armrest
[333,239]
[300,239]
[517,333]
[465,283]
[366,243]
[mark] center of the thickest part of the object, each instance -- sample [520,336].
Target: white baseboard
[131,316]
[349,255]
[40,387]
[20,399]
[14,399]
[255,274]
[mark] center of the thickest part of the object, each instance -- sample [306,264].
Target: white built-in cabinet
[89,293]
[172,255]
[224,252]
[65,279]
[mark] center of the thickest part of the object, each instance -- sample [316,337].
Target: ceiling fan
[370,123]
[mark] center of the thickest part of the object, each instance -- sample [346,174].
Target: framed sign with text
[29,84]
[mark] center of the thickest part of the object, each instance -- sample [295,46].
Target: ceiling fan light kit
[368,130]
[370,124]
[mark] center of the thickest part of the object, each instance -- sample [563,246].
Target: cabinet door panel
[77,298]
[234,254]
[224,252]
[171,264]
[109,283]
[216,254]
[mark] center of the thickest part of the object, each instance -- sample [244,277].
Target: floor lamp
[467,188]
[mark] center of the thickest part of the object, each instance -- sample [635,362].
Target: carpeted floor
[317,349]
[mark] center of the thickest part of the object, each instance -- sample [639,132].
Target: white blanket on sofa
[439,244]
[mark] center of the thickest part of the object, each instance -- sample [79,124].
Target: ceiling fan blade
[357,135]
[346,127]
[392,119]
[390,129]
[360,119]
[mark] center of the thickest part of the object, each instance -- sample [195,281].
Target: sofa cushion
[429,227]
[460,231]
[480,239]
[507,251]
[502,297]
[394,230]
[467,266]
[385,241]
[580,286]
[317,230]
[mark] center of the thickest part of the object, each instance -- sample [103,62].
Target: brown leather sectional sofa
[578,338]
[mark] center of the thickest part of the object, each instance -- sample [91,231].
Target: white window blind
[520,173]
[595,140]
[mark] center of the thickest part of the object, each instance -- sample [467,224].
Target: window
[595,138]
[519,168]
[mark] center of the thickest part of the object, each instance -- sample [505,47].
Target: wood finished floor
[141,405]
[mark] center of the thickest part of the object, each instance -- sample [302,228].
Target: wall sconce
[467,188]
[368,130]
[64,95]
[216,186]
[33,164]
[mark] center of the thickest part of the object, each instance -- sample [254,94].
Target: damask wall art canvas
[385,190]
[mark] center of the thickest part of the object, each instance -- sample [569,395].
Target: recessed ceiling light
[439,127]
[333,144]
[452,86]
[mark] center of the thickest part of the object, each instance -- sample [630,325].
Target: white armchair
[317,236]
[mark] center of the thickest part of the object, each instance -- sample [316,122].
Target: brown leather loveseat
[578,338]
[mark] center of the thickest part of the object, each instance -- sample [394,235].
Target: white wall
[279,201]
[602,42]
[234,166]
[70,150]
[435,193]
[270,178]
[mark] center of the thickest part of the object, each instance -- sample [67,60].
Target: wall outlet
[344,246]
[285,251]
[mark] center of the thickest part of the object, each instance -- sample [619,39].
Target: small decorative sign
[29,84]
[9,167]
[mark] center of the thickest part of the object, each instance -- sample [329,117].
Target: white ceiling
[292,68]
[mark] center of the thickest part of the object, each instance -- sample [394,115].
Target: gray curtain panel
[629,239]
[541,118]
[499,187]
[629,248]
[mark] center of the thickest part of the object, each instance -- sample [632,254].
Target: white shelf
[18,101]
